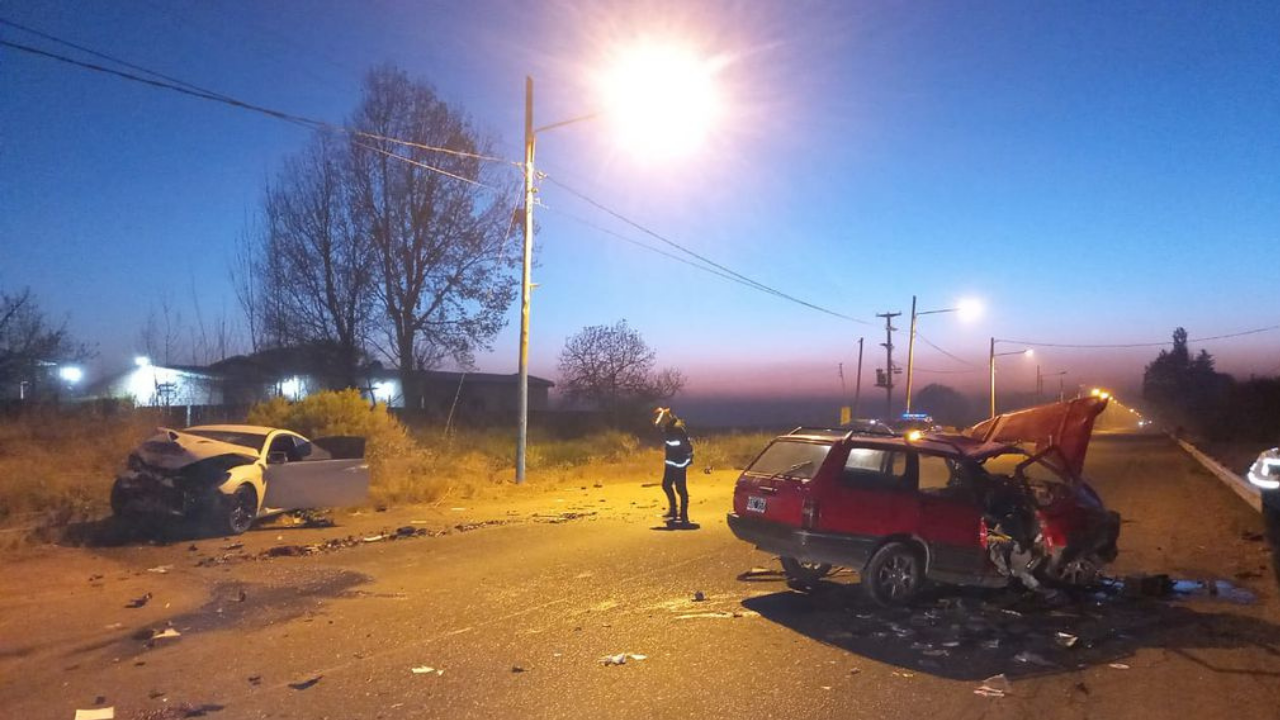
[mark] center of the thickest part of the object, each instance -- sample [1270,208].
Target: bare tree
[440,236]
[30,343]
[161,334]
[318,271]
[612,368]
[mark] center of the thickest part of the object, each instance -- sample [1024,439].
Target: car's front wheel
[894,575]
[804,572]
[238,511]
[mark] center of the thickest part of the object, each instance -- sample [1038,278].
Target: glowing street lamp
[663,100]
[966,309]
[71,374]
[991,367]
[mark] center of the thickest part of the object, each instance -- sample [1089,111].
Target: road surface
[513,619]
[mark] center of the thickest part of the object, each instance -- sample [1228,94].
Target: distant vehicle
[963,509]
[914,421]
[227,476]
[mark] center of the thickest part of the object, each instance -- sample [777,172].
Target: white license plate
[755,504]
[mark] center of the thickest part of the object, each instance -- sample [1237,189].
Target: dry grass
[56,469]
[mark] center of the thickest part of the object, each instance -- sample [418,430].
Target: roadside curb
[1237,484]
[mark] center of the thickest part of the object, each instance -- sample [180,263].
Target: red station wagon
[1004,499]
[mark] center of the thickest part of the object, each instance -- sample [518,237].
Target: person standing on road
[679,455]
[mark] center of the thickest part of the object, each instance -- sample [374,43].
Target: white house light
[71,373]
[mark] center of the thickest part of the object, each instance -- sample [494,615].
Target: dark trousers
[1271,521]
[673,483]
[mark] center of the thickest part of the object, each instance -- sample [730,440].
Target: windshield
[250,440]
[799,460]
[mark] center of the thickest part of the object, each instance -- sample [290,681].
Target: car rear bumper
[849,551]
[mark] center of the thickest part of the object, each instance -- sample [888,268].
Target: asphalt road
[515,617]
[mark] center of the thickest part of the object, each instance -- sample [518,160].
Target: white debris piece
[996,686]
[106,713]
[160,569]
[166,633]
[424,670]
[1118,666]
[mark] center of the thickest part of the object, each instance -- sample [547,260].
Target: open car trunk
[1066,426]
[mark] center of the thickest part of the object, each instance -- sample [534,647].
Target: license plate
[755,504]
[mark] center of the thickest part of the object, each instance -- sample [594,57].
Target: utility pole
[911,350]
[522,431]
[991,362]
[886,380]
[857,383]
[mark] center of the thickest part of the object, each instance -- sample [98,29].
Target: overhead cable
[1255,331]
[701,258]
[185,88]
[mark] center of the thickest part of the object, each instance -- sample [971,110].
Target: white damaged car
[228,476]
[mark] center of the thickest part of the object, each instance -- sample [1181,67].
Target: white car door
[301,474]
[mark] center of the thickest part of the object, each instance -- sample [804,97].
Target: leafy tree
[612,368]
[945,404]
[1186,392]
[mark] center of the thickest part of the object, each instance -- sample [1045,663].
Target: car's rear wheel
[239,510]
[895,574]
[804,572]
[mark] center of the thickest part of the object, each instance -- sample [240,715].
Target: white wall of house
[157,386]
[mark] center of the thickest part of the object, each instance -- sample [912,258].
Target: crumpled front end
[188,491]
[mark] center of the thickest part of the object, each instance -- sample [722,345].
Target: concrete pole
[911,350]
[522,400]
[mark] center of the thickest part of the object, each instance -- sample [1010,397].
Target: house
[292,374]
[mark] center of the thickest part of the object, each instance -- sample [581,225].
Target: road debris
[139,601]
[1118,666]
[106,713]
[517,668]
[305,684]
[255,679]
[1030,658]
[114,626]
[425,670]
[1065,639]
[160,569]
[698,596]
[621,658]
[996,686]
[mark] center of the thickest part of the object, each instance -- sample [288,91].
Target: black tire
[237,511]
[804,572]
[117,500]
[1080,572]
[895,575]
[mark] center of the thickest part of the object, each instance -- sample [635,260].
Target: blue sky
[1094,172]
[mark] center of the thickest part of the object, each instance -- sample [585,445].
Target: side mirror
[277,457]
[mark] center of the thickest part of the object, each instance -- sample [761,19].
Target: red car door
[949,518]
[871,496]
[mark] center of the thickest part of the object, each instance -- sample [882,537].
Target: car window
[285,444]
[874,468]
[797,460]
[935,473]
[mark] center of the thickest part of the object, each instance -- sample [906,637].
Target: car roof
[955,446]
[235,428]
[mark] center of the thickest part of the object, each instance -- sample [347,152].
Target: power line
[650,248]
[702,258]
[185,88]
[958,359]
[1255,331]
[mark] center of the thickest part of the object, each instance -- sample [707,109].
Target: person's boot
[670,514]
[684,516]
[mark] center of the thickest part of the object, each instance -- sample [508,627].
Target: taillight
[982,534]
[809,514]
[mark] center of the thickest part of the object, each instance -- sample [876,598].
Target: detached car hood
[174,450]
[1066,426]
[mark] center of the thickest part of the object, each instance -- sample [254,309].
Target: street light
[1040,383]
[967,309]
[640,90]
[71,374]
[991,366]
